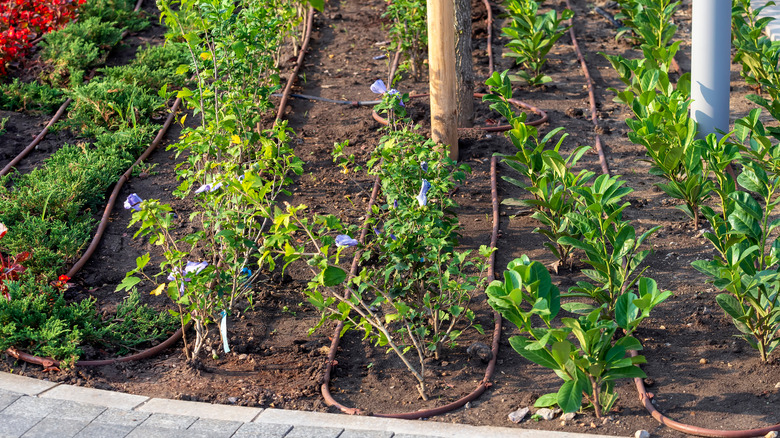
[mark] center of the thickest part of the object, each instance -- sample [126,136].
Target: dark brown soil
[700,374]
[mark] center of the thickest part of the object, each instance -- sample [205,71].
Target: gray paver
[354,433]
[122,417]
[314,431]
[6,398]
[262,430]
[406,435]
[24,385]
[100,430]
[169,421]
[215,428]
[155,432]
[93,396]
[203,410]
[15,425]
[69,410]
[32,407]
[55,427]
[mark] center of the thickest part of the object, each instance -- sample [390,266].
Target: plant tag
[223,332]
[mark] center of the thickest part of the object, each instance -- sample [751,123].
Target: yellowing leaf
[159,290]
[235,139]
[205,56]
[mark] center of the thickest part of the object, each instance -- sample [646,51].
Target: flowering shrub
[21,21]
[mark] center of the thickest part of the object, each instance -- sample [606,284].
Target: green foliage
[588,367]
[532,35]
[30,97]
[68,52]
[649,23]
[117,11]
[759,57]
[409,32]
[110,105]
[551,179]
[744,234]
[235,170]
[153,67]
[663,125]
[413,290]
[38,320]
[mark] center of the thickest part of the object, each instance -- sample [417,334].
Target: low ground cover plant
[49,213]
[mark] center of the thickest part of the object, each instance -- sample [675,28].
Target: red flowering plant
[21,21]
[10,267]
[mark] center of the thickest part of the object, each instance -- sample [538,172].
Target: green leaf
[730,305]
[333,275]
[547,400]
[569,397]
[541,356]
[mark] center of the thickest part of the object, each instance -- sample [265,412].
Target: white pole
[711,65]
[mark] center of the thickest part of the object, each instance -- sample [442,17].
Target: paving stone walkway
[33,408]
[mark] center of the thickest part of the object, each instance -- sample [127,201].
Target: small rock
[468,405]
[777,385]
[481,351]
[642,434]
[242,357]
[547,413]
[703,361]
[568,417]
[771,434]
[663,327]
[518,415]
[232,400]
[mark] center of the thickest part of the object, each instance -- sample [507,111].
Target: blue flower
[133,202]
[246,271]
[422,198]
[424,166]
[344,240]
[395,204]
[392,236]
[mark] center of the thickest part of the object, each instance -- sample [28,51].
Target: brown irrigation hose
[50,364]
[591,93]
[497,128]
[37,139]
[298,65]
[115,193]
[483,385]
[489,35]
[646,400]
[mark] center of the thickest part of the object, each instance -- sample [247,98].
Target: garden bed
[700,374]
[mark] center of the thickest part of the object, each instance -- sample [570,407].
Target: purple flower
[344,240]
[392,236]
[424,166]
[195,267]
[422,198]
[208,188]
[395,204]
[133,202]
[378,87]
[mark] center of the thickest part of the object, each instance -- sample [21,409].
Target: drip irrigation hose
[496,128]
[591,94]
[609,17]
[117,188]
[52,364]
[489,36]
[298,65]
[483,385]
[393,68]
[355,103]
[37,139]
[646,399]
[57,115]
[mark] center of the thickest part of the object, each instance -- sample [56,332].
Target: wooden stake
[441,64]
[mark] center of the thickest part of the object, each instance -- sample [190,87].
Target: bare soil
[699,372]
